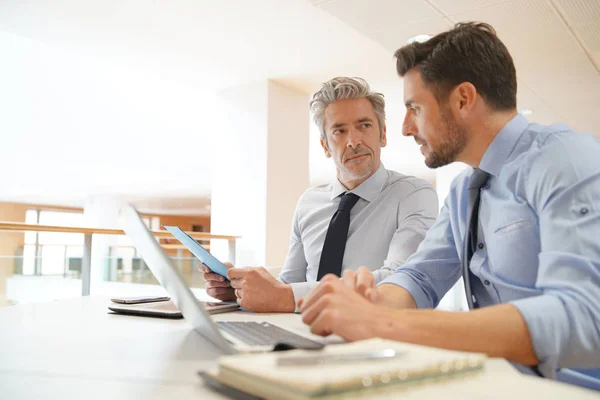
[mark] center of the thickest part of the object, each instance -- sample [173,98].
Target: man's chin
[360,173]
[435,162]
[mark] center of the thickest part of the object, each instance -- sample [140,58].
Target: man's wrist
[286,303]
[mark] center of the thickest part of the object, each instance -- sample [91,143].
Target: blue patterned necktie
[478,179]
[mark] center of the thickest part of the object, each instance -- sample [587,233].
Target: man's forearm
[498,331]
[394,296]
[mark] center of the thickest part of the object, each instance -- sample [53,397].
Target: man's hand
[216,285]
[256,290]
[362,281]
[334,307]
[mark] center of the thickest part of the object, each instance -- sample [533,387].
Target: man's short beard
[453,142]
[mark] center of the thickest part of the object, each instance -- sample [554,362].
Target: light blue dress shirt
[387,224]
[539,243]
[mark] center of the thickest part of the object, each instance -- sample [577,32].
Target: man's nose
[354,138]
[408,126]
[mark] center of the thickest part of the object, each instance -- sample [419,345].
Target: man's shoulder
[316,193]
[554,147]
[549,160]
[319,189]
[401,182]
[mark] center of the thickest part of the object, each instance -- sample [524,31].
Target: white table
[75,349]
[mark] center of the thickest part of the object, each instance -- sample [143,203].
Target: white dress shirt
[387,224]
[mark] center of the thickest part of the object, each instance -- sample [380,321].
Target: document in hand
[369,365]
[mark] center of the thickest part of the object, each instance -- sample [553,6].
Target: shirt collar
[367,190]
[503,144]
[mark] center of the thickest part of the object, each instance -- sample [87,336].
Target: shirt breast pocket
[514,251]
[512,226]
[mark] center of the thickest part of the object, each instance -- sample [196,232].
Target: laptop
[230,337]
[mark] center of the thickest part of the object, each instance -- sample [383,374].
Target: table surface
[75,349]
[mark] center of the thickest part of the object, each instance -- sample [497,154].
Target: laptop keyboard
[265,334]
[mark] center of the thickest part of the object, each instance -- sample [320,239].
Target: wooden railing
[87,242]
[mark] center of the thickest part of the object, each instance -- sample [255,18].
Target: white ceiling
[114,97]
[555,44]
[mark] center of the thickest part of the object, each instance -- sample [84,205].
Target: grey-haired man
[368,216]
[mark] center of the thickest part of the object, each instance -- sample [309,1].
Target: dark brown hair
[470,52]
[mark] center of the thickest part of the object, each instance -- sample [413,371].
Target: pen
[336,358]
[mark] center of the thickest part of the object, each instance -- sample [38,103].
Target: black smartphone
[139,299]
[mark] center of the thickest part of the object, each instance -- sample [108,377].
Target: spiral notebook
[266,376]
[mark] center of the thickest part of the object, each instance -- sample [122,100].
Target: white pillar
[260,165]
[101,212]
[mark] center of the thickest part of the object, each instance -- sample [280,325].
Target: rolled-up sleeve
[564,322]
[435,267]
[416,214]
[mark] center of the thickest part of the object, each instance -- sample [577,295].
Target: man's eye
[338,132]
[366,126]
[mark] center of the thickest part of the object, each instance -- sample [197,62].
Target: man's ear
[464,98]
[384,136]
[325,147]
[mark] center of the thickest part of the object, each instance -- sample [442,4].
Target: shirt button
[480,246]
[486,282]
[583,211]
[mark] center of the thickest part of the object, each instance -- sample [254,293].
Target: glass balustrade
[46,272]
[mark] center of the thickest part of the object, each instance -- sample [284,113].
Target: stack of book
[369,367]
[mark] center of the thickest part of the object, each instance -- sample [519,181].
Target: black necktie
[478,179]
[335,239]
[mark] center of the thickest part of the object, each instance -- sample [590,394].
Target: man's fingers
[373,295]
[221,291]
[236,283]
[216,292]
[311,312]
[307,301]
[224,284]
[238,273]
[209,276]
[228,264]
[329,277]
[349,278]
[313,295]
[364,280]
[326,285]
[203,268]
[321,325]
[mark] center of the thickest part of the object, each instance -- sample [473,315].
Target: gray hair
[345,88]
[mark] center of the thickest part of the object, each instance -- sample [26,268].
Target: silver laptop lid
[170,279]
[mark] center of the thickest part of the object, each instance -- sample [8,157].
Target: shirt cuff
[382,273]
[548,327]
[300,290]
[405,281]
